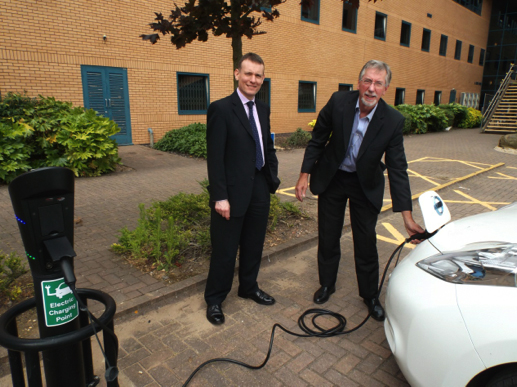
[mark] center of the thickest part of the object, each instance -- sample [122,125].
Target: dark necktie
[258,151]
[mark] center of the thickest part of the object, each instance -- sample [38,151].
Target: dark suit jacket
[330,138]
[231,152]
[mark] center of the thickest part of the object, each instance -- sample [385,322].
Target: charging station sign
[59,302]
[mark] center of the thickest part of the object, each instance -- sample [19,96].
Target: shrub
[408,123]
[298,139]
[43,132]
[11,267]
[189,140]
[424,118]
[472,120]
[460,112]
[170,231]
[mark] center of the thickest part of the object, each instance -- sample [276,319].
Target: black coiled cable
[317,331]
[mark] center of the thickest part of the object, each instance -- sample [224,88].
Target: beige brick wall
[45,42]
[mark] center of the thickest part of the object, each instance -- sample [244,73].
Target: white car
[451,305]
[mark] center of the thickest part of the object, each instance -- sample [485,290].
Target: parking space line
[505,177]
[484,204]
[398,237]
[441,186]
[416,174]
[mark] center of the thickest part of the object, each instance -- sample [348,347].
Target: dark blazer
[328,146]
[231,152]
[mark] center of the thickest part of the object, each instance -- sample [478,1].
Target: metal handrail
[497,97]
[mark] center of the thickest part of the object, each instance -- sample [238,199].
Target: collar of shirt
[245,100]
[370,115]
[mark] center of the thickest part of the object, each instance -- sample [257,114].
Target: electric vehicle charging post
[43,203]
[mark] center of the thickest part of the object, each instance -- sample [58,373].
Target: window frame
[437,94]
[420,93]
[385,18]
[408,24]
[314,21]
[207,91]
[428,40]
[458,49]
[470,57]
[397,91]
[444,41]
[482,58]
[268,82]
[354,17]
[351,86]
[314,92]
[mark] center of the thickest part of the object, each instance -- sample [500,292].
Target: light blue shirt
[244,101]
[356,139]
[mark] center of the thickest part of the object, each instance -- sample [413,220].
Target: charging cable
[317,330]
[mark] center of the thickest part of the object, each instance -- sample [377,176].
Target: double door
[105,91]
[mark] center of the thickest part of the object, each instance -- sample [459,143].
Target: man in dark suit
[242,172]
[343,158]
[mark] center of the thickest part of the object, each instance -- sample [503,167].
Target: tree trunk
[236,34]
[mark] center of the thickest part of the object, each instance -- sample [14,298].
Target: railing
[497,97]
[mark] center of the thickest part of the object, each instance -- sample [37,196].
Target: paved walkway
[169,336]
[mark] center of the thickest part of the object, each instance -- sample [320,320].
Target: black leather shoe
[214,314]
[322,295]
[375,308]
[260,297]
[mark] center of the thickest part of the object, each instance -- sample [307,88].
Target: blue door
[105,91]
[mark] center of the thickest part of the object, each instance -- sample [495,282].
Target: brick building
[89,52]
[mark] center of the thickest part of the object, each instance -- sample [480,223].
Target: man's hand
[301,186]
[411,226]
[222,207]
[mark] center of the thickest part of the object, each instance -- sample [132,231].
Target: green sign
[59,302]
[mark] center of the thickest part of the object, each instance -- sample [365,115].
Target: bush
[42,132]
[408,123]
[11,267]
[299,139]
[189,140]
[460,112]
[424,118]
[170,231]
[472,120]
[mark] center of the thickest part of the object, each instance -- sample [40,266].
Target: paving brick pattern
[169,336]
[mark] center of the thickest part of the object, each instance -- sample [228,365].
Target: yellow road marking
[422,177]
[505,177]
[484,204]
[398,238]
[437,188]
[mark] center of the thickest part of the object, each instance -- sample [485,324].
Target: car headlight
[493,263]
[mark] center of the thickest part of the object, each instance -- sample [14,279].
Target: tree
[196,18]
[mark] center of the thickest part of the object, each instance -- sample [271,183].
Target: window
[399,96]
[437,97]
[420,97]
[306,96]
[426,40]
[482,57]
[443,45]
[264,93]
[405,34]
[312,14]
[471,54]
[193,95]
[457,52]
[345,87]
[349,17]
[473,5]
[381,20]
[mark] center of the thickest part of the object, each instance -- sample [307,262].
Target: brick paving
[169,336]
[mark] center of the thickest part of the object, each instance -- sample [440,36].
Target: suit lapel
[374,128]
[349,115]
